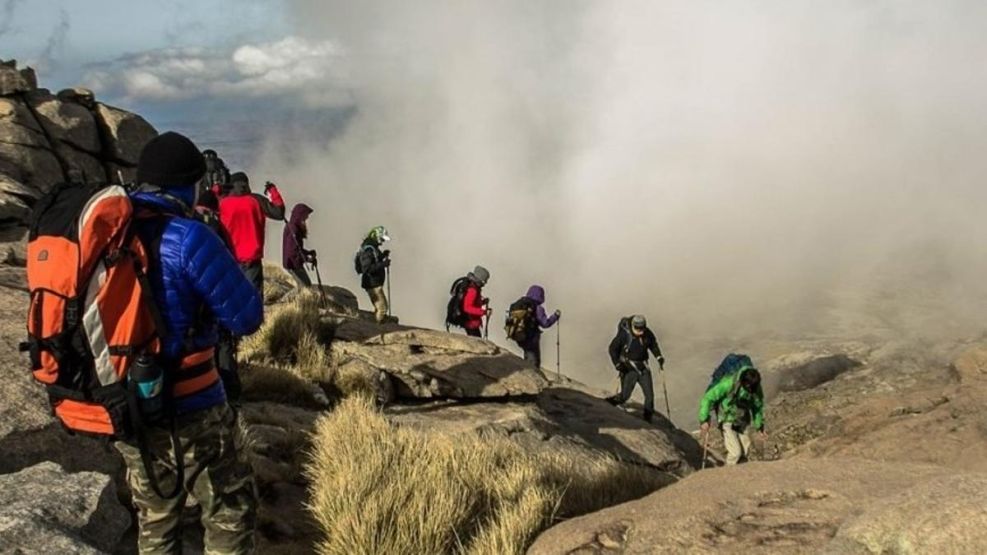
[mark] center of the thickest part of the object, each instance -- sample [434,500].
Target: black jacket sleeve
[653,344]
[269,208]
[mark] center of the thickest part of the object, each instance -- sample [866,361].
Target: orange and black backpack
[91,308]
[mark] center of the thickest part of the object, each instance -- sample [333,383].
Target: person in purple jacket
[294,253]
[530,343]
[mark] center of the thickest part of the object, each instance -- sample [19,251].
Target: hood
[536,293]
[159,202]
[299,213]
[240,188]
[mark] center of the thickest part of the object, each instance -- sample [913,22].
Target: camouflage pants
[217,475]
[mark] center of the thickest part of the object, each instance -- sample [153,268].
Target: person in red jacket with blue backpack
[244,215]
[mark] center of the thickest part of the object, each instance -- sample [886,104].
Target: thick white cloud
[293,68]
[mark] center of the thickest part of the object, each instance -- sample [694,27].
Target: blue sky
[77,33]
[226,72]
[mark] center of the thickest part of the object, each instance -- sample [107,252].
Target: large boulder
[25,407]
[945,515]
[427,364]
[793,506]
[45,509]
[13,80]
[11,186]
[124,133]
[38,167]
[87,166]
[68,122]
[18,125]
[13,209]
[562,419]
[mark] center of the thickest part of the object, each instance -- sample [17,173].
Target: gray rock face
[77,161]
[427,364]
[66,121]
[562,419]
[945,515]
[40,167]
[43,508]
[124,133]
[13,81]
[18,125]
[11,186]
[24,407]
[13,208]
[793,506]
[78,95]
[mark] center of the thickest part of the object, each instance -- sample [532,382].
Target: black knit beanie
[170,159]
[239,177]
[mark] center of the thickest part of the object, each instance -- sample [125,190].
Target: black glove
[310,256]
[661,362]
[386,262]
[386,254]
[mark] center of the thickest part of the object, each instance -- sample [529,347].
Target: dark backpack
[520,324]
[454,310]
[358,264]
[731,364]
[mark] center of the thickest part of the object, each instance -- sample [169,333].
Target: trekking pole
[668,409]
[318,280]
[705,448]
[390,300]
[558,349]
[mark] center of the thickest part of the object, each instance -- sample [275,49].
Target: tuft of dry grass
[381,489]
[293,334]
[279,385]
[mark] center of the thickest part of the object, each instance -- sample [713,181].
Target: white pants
[738,444]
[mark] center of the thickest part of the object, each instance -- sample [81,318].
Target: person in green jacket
[739,403]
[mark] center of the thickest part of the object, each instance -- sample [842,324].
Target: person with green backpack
[738,401]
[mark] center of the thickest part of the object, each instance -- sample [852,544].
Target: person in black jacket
[372,264]
[629,354]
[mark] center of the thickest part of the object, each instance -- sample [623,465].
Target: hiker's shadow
[588,419]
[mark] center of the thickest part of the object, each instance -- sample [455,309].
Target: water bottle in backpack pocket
[147,384]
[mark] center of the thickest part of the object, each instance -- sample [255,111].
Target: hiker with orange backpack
[191,270]
[126,295]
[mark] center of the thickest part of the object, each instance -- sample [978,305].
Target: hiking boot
[649,416]
[614,400]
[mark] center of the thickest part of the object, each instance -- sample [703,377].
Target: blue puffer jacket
[196,282]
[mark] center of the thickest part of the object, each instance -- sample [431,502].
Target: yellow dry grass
[293,334]
[381,489]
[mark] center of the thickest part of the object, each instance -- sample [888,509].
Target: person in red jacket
[243,215]
[474,303]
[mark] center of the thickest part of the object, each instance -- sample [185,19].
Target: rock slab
[43,507]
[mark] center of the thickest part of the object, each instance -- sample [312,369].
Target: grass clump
[293,334]
[381,489]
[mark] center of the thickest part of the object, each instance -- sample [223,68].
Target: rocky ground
[873,447]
